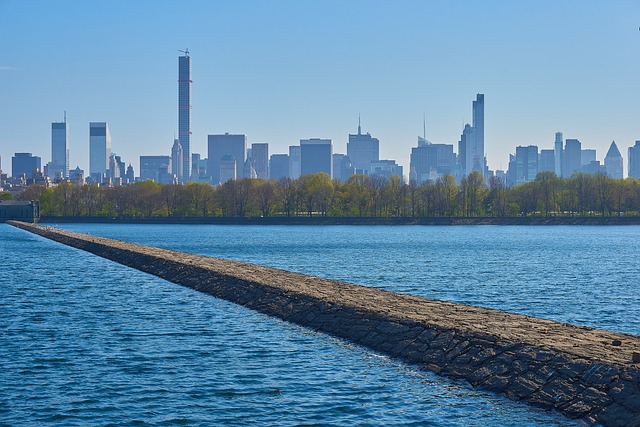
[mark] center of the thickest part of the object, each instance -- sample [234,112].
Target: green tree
[549,185]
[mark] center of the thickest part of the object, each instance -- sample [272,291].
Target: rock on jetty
[582,372]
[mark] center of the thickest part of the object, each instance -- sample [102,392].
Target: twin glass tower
[184,113]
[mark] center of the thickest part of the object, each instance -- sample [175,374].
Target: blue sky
[280,71]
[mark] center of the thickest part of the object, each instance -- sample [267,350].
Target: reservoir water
[86,341]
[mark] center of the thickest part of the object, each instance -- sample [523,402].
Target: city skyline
[277,90]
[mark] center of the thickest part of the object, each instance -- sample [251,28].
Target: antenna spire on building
[424,126]
[359,128]
[65,116]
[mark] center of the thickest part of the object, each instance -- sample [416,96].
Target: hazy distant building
[546,161]
[316,155]
[25,164]
[634,161]
[154,167]
[593,167]
[99,148]
[184,111]
[177,161]
[471,144]
[223,145]
[587,155]
[431,161]
[523,167]
[260,159]
[386,168]
[59,165]
[76,175]
[294,161]
[279,166]
[129,175]
[558,154]
[613,162]
[363,149]
[114,167]
[572,157]
[342,167]
[227,168]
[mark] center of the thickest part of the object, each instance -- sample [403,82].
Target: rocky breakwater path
[582,372]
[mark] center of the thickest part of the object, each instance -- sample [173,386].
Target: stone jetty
[581,372]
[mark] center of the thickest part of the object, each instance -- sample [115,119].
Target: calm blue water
[86,341]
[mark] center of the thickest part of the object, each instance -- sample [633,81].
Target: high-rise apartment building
[613,162]
[363,149]
[25,164]
[184,113]
[177,160]
[526,163]
[558,154]
[572,161]
[316,155]
[478,126]
[260,159]
[155,168]
[431,161]
[99,149]
[59,164]
[634,161]
[294,161]
[225,145]
[587,156]
[471,144]
[279,166]
[546,161]
[386,168]
[342,167]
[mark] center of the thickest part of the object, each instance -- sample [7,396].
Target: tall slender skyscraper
[471,144]
[558,154]
[59,149]
[478,126]
[99,149]
[184,112]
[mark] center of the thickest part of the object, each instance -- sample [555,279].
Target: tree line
[360,196]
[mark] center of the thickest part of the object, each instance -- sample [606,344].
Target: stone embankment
[582,372]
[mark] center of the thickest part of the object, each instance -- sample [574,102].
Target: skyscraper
[471,144]
[546,161]
[24,164]
[223,145]
[634,161]
[526,163]
[294,161]
[613,162]
[260,159]
[177,160]
[342,167]
[59,149]
[316,155]
[558,154]
[478,126]
[363,149]
[99,149]
[572,160]
[279,166]
[184,112]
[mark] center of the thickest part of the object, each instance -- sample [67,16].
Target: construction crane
[186,51]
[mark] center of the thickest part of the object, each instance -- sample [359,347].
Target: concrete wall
[581,372]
